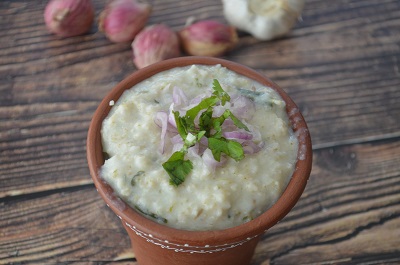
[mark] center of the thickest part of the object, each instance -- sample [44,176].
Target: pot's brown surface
[144,252]
[154,243]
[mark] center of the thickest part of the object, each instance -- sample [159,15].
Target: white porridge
[140,135]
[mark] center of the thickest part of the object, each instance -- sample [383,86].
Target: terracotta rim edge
[252,228]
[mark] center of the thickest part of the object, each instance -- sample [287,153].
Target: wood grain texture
[340,64]
[351,204]
[342,71]
[345,81]
[69,226]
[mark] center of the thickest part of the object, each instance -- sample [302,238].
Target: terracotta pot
[156,244]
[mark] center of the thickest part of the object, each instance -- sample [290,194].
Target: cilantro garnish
[220,93]
[211,127]
[228,147]
[152,215]
[178,168]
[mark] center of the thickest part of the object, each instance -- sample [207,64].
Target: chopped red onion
[240,136]
[197,100]
[210,162]
[194,150]
[179,97]
[250,147]
[228,126]
[162,119]
[218,110]
[204,141]
[243,107]
[177,139]
[171,119]
[177,147]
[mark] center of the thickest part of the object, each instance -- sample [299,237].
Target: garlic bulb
[264,19]
[122,20]
[208,38]
[154,44]
[67,18]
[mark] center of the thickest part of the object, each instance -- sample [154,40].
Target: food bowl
[157,244]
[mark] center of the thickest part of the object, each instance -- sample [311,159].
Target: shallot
[153,44]
[67,18]
[122,20]
[208,38]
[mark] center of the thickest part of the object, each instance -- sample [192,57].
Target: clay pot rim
[239,233]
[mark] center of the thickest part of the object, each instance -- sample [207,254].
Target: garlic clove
[153,44]
[208,38]
[122,20]
[264,19]
[67,18]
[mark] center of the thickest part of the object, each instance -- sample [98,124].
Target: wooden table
[341,64]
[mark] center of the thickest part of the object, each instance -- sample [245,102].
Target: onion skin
[153,44]
[67,18]
[208,38]
[122,20]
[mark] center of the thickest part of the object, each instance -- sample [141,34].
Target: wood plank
[44,147]
[69,226]
[349,211]
[49,87]
[348,214]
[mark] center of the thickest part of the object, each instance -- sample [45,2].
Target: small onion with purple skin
[122,20]
[208,38]
[67,18]
[154,44]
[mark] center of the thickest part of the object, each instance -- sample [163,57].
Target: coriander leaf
[237,122]
[200,135]
[152,215]
[216,146]
[217,123]
[178,168]
[229,147]
[180,125]
[217,128]
[192,113]
[235,150]
[220,93]
[138,174]
[205,121]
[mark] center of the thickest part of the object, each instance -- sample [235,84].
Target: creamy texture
[208,199]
